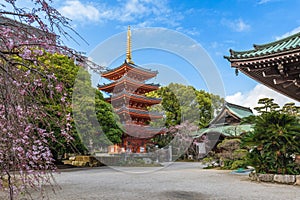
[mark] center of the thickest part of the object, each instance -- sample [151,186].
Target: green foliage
[239,164]
[185,103]
[229,144]
[94,111]
[182,103]
[95,121]
[268,105]
[64,69]
[207,160]
[291,109]
[108,120]
[227,164]
[274,141]
[162,140]
[240,153]
[231,155]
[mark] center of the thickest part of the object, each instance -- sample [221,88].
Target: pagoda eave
[133,98]
[125,82]
[109,88]
[125,68]
[139,115]
[142,131]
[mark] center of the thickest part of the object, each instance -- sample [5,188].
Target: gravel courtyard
[177,181]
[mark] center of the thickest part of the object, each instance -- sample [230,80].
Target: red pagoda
[127,96]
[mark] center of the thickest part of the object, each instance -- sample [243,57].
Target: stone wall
[275,178]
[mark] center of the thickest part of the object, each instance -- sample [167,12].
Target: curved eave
[126,67]
[286,39]
[224,130]
[142,133]
[222,114]
[285,45]
[239,111]
[266,57]
[270,84]
[138,113]
[134,98]
[140,128]
[111,86]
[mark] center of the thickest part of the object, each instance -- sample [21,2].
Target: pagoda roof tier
[134,97]
[125,80]
[275,64]
[130,69]
[138,113]
[139,131]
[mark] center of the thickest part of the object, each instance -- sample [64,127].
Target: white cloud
[260,2]
[75,10]
[191,31]
[143,12]
[264,1]
[237,25]
[146,11]
[292,32]
[251,98]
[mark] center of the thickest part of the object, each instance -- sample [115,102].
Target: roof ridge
[232,52]
[258,47]
[238,106]
[261,46]
[133,66]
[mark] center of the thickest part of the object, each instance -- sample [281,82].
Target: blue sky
[216,25]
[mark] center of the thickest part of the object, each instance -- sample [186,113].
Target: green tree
[109,121]
[291,108]
[101,128]
[274,141]
[185,103]
[267,105]
[231,155]
[181,103]
[65,71]
[96,123]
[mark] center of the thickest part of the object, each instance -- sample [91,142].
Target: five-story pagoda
[127,96]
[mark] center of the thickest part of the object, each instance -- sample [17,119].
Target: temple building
[275,64]
[127,95]
[227,124]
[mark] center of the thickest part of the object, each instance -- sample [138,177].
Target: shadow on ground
[174,195]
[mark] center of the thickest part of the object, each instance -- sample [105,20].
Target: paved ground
[178,181]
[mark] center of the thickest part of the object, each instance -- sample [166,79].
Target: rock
[147,161]
[265,177]
[216,165]
[287,179]
[297,180]
[253,176]
[250,167]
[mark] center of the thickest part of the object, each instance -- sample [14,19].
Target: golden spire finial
[128,51]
